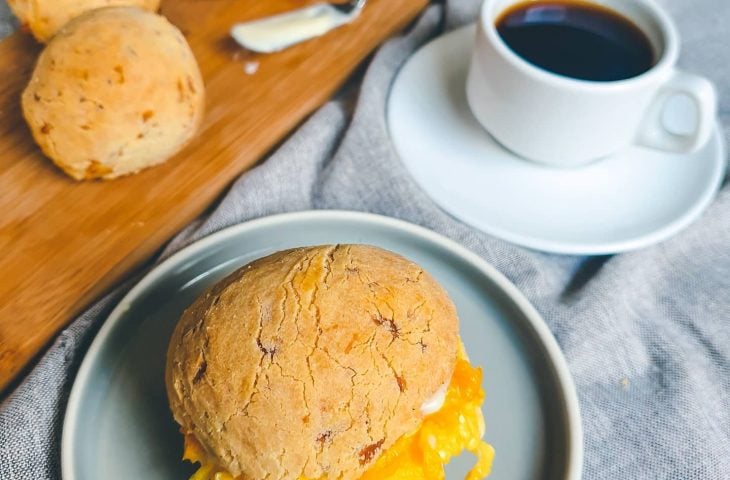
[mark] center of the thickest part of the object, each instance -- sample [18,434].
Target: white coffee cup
[566,122]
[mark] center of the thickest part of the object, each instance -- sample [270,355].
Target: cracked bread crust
[115,91]
[311,362]
[44,17]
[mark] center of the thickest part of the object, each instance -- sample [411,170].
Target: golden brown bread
[311,361]
[45,17]
[116,90]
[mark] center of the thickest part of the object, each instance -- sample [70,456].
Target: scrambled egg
[457,426]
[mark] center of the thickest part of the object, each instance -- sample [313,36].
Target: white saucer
[624,202]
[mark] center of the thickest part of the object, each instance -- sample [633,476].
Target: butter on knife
[278,32]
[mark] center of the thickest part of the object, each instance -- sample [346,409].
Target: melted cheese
[457,426]
[208,470]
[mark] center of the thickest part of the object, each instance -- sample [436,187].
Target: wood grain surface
[64,243]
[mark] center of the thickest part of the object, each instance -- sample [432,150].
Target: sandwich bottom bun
[328,362]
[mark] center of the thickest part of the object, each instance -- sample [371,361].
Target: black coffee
[576,39]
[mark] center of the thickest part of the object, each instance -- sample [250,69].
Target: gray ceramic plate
[118,426]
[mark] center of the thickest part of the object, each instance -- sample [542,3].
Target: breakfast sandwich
[329,362]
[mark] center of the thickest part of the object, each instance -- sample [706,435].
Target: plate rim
[574,427]
[669,229]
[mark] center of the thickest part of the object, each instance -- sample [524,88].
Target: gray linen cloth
[646,334]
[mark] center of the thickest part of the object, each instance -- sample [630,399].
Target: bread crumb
[251,67]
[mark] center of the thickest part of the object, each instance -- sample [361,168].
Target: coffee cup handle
[655,134]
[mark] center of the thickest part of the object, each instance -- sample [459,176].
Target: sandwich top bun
[45,17]
[115,91]
[311,361]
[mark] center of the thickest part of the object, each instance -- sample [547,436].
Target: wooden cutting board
[64,243]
